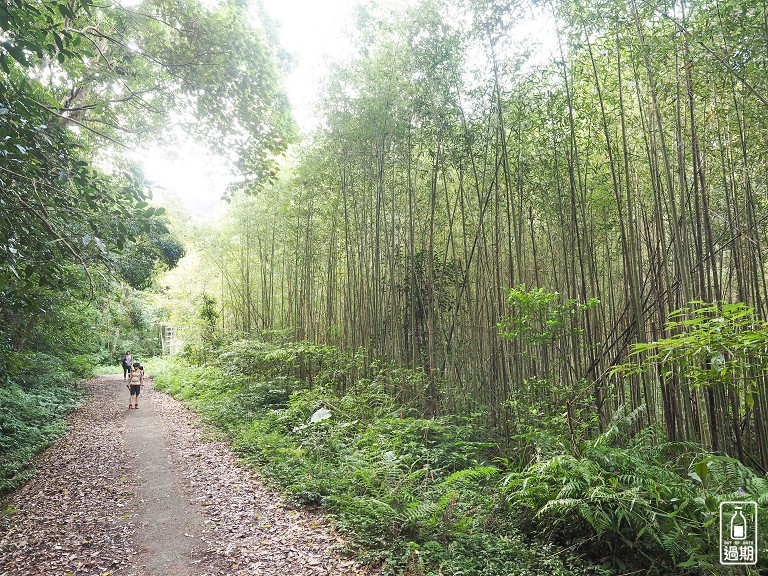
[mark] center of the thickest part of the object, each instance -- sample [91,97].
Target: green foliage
[488,554]
[231,74]
[48,37]
[118,71]
[208,313]
[58,210]
[203,335]
[711,344]
[639,500]
[423,496]
[127,320]
[542,317]
[36,391]
[317,364]
[548,407]
[81,366]
[149,252]
[394,481]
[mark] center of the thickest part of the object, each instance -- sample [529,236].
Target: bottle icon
[738,525]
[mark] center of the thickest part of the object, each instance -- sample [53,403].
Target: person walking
[127,362]
[134,386]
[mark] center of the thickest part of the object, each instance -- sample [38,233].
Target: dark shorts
[135,389]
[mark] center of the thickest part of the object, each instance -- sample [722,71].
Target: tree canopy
[80,84]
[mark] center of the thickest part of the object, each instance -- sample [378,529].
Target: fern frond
[472,475]
[374,506]
[560,506]
[419,511]
[621,423]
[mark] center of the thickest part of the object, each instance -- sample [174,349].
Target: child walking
[135,385]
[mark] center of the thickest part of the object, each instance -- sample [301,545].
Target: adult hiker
[127,362]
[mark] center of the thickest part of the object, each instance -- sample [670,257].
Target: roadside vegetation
[32,405]
[44,363]
[433,495]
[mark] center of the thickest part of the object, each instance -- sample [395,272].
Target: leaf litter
[70,517]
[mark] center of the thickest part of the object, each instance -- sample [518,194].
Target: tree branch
[68,119]
[715,55]
[59,237]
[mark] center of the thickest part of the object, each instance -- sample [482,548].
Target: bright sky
[313,31]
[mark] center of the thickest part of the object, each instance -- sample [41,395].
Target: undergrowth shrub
[313,364]
[36,392]
[488,554]
[81,366]
[633,500]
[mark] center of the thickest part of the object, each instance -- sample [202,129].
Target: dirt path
[145,493]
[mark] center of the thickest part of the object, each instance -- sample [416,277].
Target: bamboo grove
[512,222]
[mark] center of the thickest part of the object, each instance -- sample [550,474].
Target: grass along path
[145,493]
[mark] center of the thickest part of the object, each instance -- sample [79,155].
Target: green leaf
[695,476]
[57,40]
[16,53]
[65,11]
[702,469]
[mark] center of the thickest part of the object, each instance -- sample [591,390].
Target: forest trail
[149,492]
